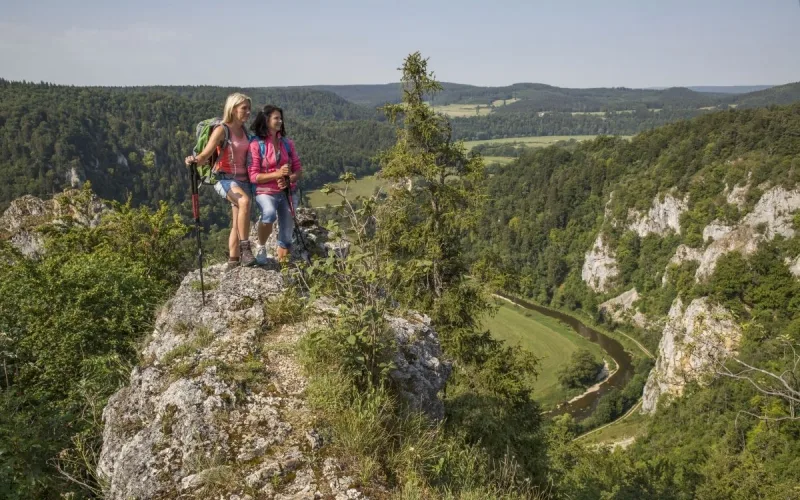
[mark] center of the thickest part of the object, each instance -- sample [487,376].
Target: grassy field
[463,110]
[499,102]
[550,340]
[531,141]
[631,427]
[467,110]
[364,186]
[502,160]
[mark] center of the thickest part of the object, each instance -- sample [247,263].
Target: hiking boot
[261,254]
[246,259]
[232,263]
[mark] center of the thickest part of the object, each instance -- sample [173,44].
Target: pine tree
[435,201]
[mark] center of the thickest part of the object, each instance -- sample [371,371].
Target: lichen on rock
[217,406]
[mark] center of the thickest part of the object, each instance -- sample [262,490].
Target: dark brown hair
[260,125]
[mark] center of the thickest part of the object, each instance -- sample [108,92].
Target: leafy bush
[581,370]
[70,324]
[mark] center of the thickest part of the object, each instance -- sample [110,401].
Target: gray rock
[772,216]
[694,339]
[319,240]
[599,266]
[420,373]
[218,406]
[663,216]
[23,220]
[314,439]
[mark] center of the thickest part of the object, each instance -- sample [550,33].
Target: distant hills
[537,97]
[724,89]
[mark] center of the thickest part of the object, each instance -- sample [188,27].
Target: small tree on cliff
[435,201]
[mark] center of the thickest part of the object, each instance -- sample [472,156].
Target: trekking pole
[297,231]
[195,180]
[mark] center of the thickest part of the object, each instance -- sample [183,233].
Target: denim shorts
[276,207]
[225,182]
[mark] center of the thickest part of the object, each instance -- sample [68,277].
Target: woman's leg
[264,230]
[240,200]
[233,238]
[266,203]
[285,228]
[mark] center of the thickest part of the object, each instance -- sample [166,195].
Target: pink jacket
[268,164]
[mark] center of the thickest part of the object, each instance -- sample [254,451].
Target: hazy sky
[578,43]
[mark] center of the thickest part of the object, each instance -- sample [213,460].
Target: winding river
[583,406]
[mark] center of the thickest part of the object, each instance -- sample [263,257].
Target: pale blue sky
[578,43]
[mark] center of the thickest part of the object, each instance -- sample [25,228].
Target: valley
[551,340]
[655,229]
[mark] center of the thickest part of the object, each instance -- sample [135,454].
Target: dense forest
[500,125]
[129,140]
[723,440]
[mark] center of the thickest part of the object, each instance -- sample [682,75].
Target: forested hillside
[536,96]
[700,215]
[780,95]
[500,125]
[546,208]
[526,109]
[132,141]
[301,102]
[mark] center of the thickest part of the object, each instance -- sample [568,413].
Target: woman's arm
[255,162]
[254,168]
[217,136]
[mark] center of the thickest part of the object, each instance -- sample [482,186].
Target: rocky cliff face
[694,338]
[25,216]
[599,266]
[698,335]
[317,239]
[772,215]
[217,407]
[621,309]
[663,216]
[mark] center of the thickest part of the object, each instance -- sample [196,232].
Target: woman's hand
[190,159]
[282,182]
[285,170]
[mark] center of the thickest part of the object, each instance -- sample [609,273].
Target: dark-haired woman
[274,166]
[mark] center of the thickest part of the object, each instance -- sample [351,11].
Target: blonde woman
[233,182]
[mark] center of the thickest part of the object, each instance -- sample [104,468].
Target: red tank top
[235,164]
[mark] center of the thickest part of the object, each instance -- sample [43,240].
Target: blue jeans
[276,207]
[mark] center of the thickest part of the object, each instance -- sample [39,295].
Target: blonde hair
[231,102]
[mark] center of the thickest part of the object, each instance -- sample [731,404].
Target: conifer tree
[435,201]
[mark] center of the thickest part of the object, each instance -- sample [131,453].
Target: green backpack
[203,131]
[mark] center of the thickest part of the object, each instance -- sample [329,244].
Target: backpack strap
[287,146]
[227,134]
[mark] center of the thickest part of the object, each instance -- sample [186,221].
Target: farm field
[531,141]
[550,340]
[364,186]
